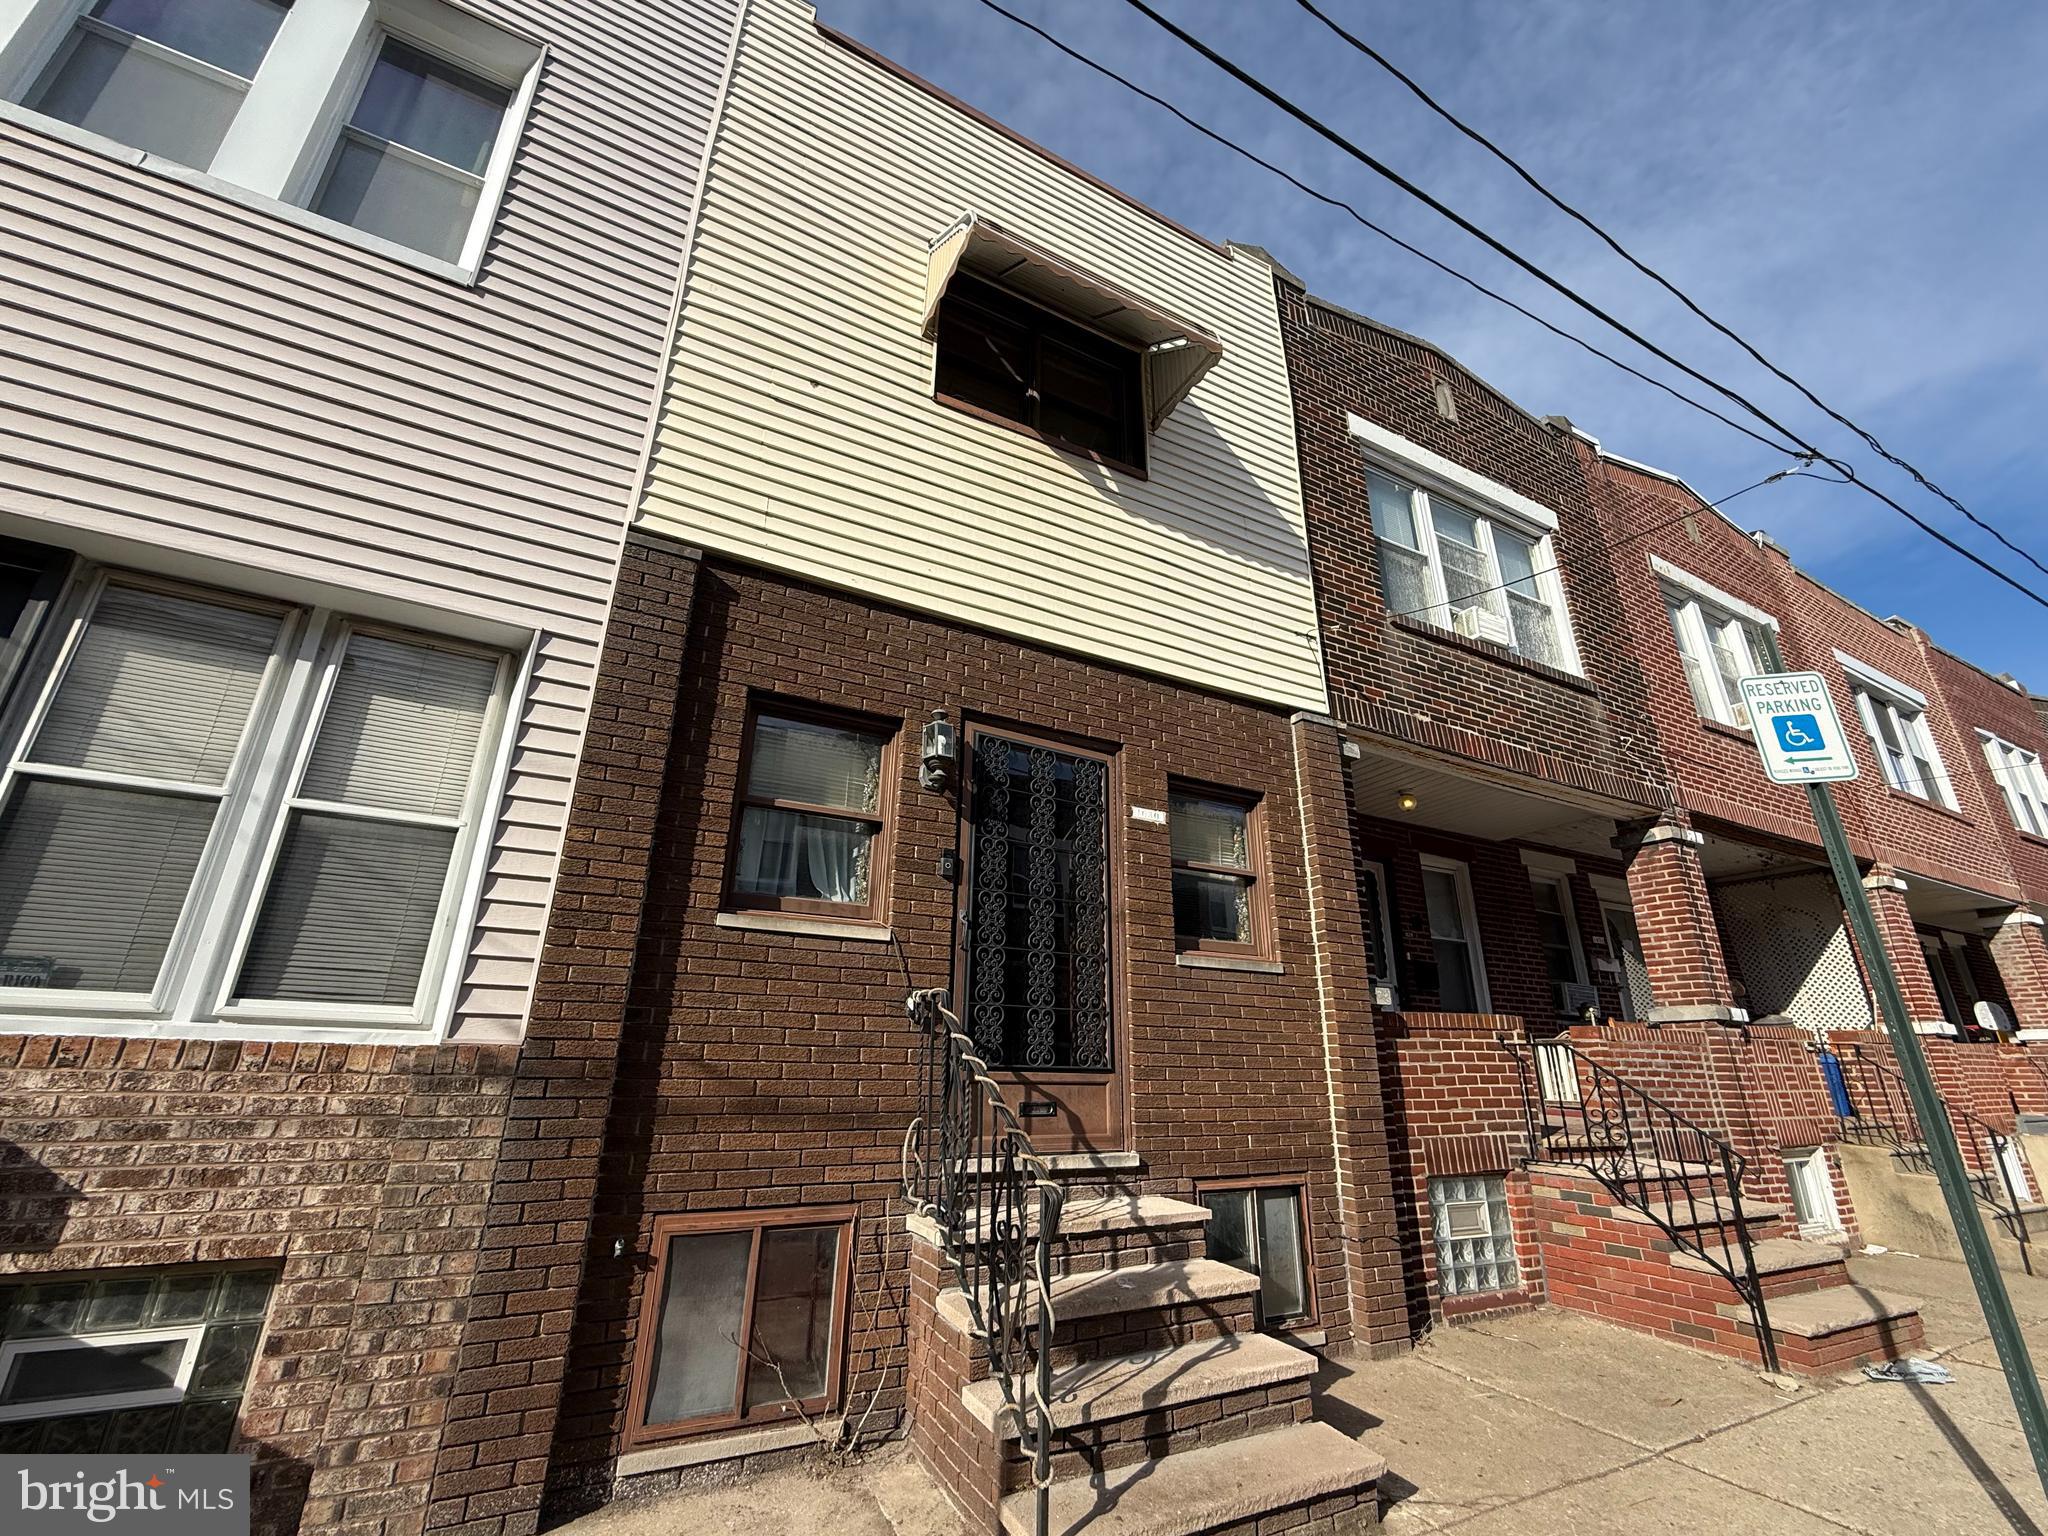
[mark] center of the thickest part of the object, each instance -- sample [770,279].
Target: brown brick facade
[776,1068]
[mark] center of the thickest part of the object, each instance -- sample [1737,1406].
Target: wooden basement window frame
[1295,1184]
[874,909]
[1254,872]
[638,1433]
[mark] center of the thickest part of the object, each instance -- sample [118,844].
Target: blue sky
[1859,189]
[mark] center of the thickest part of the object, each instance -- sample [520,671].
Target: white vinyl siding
[2019,777]
[800,353]
[246,394]
[1440,559]
[177,732]
[1718,649]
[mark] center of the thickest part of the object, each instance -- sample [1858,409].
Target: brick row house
[725,589]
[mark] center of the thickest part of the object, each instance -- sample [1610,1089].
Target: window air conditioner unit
[1575,997]
[1467,1219]
[1478,623]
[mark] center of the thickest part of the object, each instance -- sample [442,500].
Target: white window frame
[1382,901]
[1562,884]
[108,1402]
[1425,474]
[276,152]
[2021,780]
[1461,877]
[192,996]
[1882,700]
[1814,1162]
[1701,614]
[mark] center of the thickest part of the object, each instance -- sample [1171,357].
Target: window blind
[348,914]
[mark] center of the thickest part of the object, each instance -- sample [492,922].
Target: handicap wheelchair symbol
[1799,733]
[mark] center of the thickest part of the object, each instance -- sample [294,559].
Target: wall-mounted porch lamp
[941,750]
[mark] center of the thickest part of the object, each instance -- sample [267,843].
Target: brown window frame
[1297,1182]
[647,1323]
[1255,872]
[875,908]
[1042,325]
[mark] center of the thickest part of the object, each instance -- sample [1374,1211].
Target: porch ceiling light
[1406,800]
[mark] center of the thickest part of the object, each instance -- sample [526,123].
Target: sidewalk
[1546,1423]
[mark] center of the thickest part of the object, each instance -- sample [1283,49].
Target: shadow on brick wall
[35,1204]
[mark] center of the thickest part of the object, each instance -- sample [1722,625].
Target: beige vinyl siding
[799,427]
[178,370]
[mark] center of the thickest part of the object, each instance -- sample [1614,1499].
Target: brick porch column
[1902,943]
[2019,948]
[1369,1239]
[1675,917]
[492,1471]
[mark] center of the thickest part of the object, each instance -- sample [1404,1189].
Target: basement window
[127,1361]
[1475,1244]
[1260,1227]
[742,1321]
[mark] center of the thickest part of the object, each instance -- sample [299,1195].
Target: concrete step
[1096,1391]
[1092,1213]
[1695,1211]
[1219,1485]
[1138,1288]
[1816,1314]
[1774,1256]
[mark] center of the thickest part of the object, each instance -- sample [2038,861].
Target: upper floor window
[1004,356]
[396,119]
[809,837]
[163,76]
[1470,572]
[224,810]
[2020,779]
[1895,718]
[1218,901]
[1719,649]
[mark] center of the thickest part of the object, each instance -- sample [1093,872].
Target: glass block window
[1475,1246]
[128,1362]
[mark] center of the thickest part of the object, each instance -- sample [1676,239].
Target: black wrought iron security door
[1036,948]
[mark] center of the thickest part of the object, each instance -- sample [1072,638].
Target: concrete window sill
[806,927]
[1197,961]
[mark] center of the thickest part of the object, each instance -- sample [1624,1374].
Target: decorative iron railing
[1648,1156]
[969,1167]
[1881,1112]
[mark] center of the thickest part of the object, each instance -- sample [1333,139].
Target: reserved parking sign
[1798,734]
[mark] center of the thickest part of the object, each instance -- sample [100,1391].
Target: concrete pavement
[1547,1423]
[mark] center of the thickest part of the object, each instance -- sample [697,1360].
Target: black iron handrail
[1646,1155]
[969,1167]
[1881,1111]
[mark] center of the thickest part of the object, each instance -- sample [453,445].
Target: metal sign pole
[1941,1142]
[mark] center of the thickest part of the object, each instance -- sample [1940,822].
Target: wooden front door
[1036,955]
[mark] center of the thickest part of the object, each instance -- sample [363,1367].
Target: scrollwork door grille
[1037,951]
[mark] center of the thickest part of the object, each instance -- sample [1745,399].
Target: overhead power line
[1655,276]
[1384,233]
[1388,173]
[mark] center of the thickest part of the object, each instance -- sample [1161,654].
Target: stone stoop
[1173,1416]
[1612,1261]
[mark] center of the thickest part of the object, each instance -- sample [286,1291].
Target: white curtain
[835,852]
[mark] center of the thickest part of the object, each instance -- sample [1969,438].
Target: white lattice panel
[1788,944]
